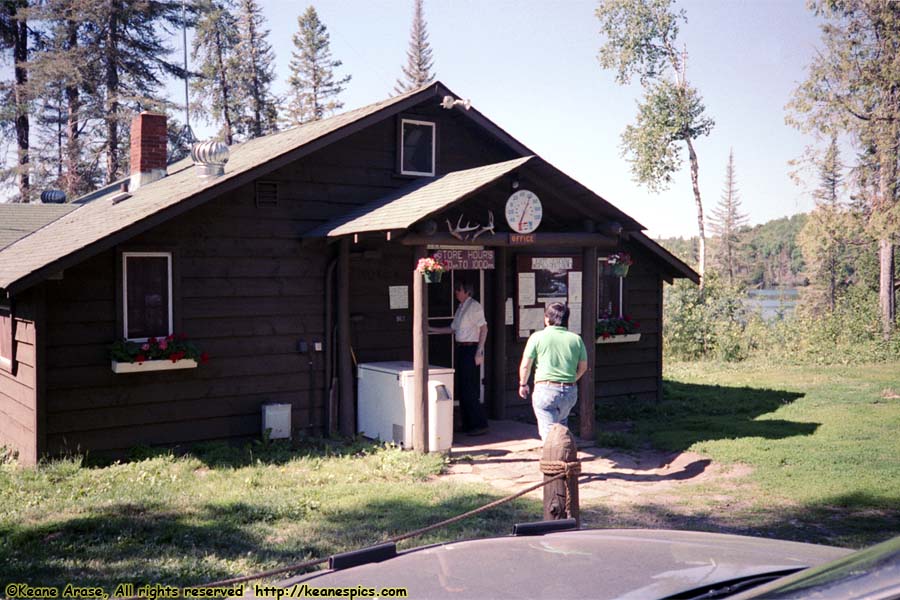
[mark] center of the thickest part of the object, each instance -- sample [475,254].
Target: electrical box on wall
[277,419]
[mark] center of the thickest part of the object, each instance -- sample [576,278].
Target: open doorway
[441,306]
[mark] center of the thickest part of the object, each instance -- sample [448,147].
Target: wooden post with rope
[561,456]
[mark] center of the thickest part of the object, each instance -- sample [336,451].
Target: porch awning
[413,203]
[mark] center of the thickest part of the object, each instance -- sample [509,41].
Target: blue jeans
[552,402]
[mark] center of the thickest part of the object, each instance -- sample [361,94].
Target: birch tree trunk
[701,251]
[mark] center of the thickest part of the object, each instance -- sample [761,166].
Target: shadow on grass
[691,413]
[851,520]
[237,454]
[149,543]
[138,543]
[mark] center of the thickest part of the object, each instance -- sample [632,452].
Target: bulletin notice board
[541,280]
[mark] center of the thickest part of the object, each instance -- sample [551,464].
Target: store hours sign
[466,260]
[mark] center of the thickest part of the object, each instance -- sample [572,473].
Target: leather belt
[560,383]
[466,343]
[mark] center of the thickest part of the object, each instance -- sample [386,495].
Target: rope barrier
[405,536]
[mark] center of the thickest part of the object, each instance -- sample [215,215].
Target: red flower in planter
[606,335]
[620,330]
[204,358]
[172,347]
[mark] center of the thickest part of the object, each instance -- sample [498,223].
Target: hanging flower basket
[431,268]
[620,261]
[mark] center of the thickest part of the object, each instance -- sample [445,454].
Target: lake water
[770,304]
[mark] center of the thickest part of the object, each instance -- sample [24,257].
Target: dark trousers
[467,384]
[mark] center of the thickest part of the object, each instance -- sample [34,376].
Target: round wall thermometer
[524,211]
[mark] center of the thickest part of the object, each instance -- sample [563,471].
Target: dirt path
[509,458]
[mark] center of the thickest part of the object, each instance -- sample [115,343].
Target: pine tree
[124,41]
[60,77]
[726,220]
[830,237]
[419,63]
[314,89]
[853,88]
[215,42]
[257,72]
[14,37]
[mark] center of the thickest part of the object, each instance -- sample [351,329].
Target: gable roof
[402,208]
[97,222]
[20,220]
[405,206]
[100,224]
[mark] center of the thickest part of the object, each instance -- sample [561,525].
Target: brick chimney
[148,149]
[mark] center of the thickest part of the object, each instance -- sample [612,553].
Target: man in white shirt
[469,329]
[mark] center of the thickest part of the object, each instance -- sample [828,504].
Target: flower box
[619,339]
[153,365]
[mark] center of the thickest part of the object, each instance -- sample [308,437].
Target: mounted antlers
[462,233]
[488,227]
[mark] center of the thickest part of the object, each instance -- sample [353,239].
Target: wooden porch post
[420,356]
[347,416]
[498,336]
[586,388]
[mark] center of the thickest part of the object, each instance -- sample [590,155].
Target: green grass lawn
[222,512]
[822,445]
[816,448]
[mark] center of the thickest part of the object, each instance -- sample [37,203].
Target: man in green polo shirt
[561,361]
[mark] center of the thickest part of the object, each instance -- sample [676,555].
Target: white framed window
[417,147]
[146,295]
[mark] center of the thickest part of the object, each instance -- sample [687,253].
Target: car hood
[608,563]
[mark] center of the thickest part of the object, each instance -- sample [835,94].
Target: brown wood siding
[18,390]
[248,291]
[630,372]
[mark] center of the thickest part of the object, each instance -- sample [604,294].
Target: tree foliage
[853,88]
[668,114]
[314,87]
[215,91]
[419,61]
[256,74]
[640,38]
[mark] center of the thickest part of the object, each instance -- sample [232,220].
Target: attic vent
[266,194]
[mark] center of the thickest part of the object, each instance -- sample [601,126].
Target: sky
[531,67]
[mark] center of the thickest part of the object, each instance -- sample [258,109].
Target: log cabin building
[293,264]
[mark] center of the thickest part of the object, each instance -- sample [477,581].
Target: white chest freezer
[386,411]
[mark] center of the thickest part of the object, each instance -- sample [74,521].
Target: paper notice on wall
[510,316]
[551,263]
[531,318]
[574,287]
[399,296]
[575,318]
[526,289]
